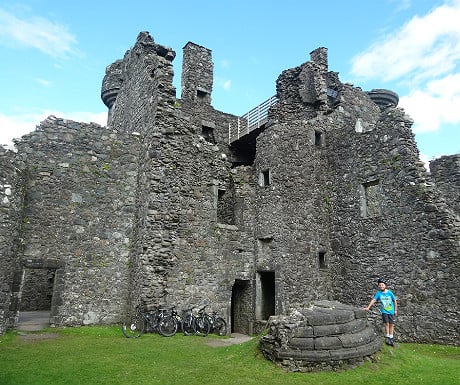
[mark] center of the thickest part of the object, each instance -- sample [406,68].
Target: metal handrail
[252,119]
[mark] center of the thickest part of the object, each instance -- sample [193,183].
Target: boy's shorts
[388,318]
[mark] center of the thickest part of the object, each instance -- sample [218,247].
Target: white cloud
[428,46]
[13,127]
[424,55]
[51,38]
[436,103]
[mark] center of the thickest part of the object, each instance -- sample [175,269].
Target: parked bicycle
[218,324]
[157,320]
[196,323]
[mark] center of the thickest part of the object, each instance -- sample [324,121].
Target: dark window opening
[208,134]
[201,94]
[265,298]
[318,138]
[322,260]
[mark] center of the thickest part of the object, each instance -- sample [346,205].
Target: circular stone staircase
[326,336]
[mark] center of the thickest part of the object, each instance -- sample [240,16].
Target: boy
[388,307]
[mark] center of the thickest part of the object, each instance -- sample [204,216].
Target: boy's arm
[396,306]
[371,303]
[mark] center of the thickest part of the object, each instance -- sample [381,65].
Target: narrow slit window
[318,138]
[264,178]
[322,260]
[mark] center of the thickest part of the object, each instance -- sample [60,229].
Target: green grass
[101,355]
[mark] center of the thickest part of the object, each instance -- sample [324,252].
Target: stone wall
[11,201]
[388,221]
[78,215]
[445,172]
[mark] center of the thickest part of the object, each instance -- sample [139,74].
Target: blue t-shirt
[387,301]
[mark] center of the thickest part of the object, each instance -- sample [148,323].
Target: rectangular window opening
[370,199]
[318,138]
[201,94]
[322,260]
[208,134]
[264,178]
[225,212]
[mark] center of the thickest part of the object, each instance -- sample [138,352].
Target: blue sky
[54,54]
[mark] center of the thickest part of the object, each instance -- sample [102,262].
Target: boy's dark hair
[381,280]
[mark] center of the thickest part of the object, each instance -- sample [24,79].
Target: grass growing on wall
[101,355]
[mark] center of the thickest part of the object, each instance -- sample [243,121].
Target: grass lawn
[101,355]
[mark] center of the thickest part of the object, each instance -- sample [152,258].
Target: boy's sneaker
[388,340]
[391,342]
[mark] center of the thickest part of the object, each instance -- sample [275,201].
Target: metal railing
[251,120]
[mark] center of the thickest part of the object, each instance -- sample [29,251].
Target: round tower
[384,98]
[111,83]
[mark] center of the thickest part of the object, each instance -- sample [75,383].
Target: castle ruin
[174,202]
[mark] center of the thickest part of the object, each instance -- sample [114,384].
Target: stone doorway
[35,290]
[265,295]
[241,307]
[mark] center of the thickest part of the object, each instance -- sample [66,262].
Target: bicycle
[188,322]
[218,324]
[157,320]
[203,323]
[195,323]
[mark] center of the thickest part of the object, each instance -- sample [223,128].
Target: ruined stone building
[174,202]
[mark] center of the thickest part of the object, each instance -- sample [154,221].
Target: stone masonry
[327,195]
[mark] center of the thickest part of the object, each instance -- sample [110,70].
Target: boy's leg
[387,329]
[387,333]
[386,322]
[391,328]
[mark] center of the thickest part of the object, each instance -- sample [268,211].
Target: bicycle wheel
[167,326]
[188,325]
[203,326]
[220,326]
[133,327]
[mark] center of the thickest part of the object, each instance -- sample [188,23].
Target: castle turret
[384,98]
[111,84]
